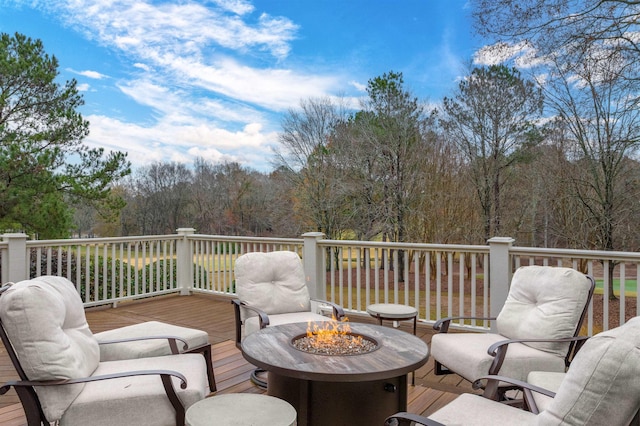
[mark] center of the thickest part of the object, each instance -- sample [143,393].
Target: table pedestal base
[336,403]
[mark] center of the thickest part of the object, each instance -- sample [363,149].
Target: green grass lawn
[630,287]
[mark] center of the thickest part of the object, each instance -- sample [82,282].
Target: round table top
[398,354]
[241,409]
[392,310]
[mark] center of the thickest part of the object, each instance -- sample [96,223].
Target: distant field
[630,287]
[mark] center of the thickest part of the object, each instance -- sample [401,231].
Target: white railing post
[15,265]
[184,259]
[499,274]
[312,261]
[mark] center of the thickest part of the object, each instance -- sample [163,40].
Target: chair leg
[31,406]
[440,369]
[256,380]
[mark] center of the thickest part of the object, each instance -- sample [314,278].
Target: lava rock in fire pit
[341,344]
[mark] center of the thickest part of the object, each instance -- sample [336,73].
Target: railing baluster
[340,261]
[461,284]
[427,285]
[472,278]
[416,280]
[622,292]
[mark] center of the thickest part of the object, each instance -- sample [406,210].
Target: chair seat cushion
[147,348]
[474,410]
[474,361]
[252,324]
[546,380]
[138,400]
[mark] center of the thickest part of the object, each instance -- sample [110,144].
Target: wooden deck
[215,315]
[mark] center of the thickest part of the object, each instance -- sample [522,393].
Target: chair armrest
[442,325]
[493,381]
[31,383]
[26,391]
[172,341]
[499,349]
[405,419]
[264,318]
[237,305]
[337,311]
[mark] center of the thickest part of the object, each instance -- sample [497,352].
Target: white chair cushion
[139,400]
[147,348]
[273,282]
[547,380]
[253,324]
[474,410]
[602,386]
[473,361]
[45,321]
[544,302]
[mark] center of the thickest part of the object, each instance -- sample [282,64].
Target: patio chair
[537,329]
[271,290]
[61,377]
[601,387]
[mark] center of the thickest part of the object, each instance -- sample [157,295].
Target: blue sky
[175,80]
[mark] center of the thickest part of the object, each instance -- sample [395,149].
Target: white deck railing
[440,280]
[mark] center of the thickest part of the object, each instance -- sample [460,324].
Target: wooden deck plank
[214,315]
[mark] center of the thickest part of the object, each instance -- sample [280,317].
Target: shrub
[158,272]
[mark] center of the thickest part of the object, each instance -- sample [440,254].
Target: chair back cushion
[273,282]
[45,322]
[602,386]
[544,302]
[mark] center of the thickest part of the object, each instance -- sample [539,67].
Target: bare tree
[161,193]
[207,205]
[491,117]
[306,160]
[586,55]
[449,206]
[393,128]
[598,106]
[280,207]
[567,28]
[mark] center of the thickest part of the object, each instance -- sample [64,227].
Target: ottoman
[150,339]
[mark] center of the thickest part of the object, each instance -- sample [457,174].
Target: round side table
[395,312]
[241,409]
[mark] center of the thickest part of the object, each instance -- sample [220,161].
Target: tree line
[485,163]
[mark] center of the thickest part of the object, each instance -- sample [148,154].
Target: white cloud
[240,7]
[173,102]
[169,141]
[88,73]
[206,70]
[523,55]
[271,88]
[359,86]
[183,28]
[83,87]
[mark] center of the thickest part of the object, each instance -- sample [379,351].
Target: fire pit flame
[333,338]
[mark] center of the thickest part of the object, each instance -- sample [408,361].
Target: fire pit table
[358,389]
